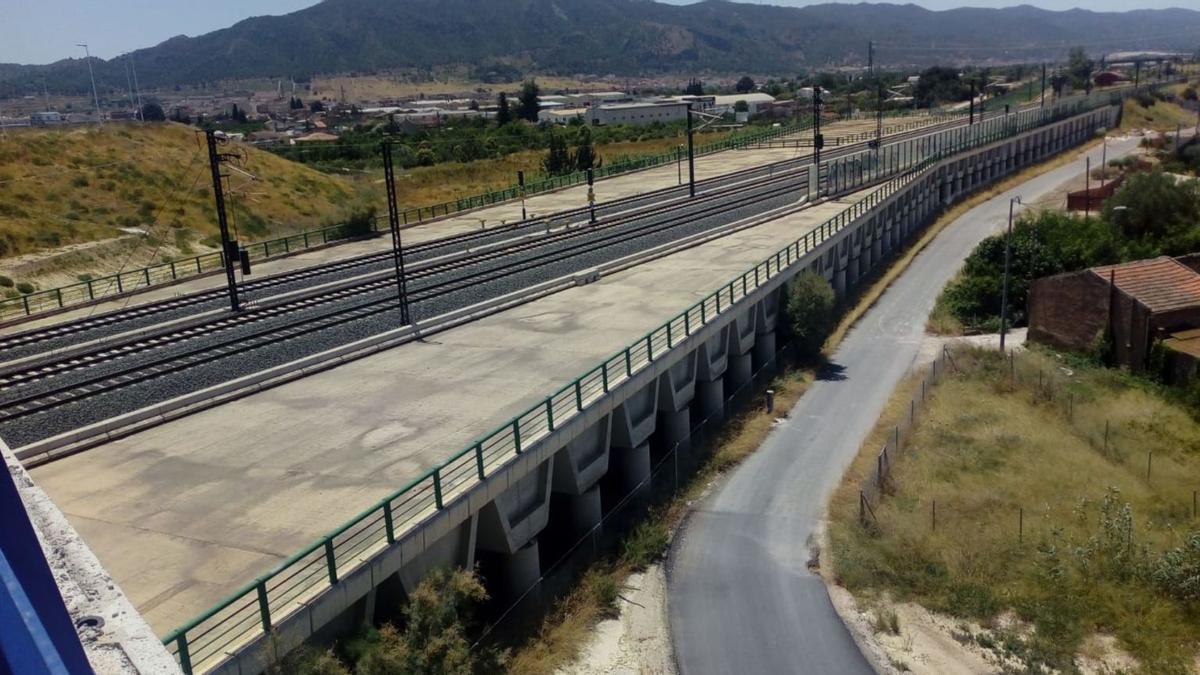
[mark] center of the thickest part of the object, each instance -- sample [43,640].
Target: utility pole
[137,90]
[691,150]
[389,174]
[818,139]
[521,192]
[971,105]
[129,83]
[229,249]
[878,114]
[591,196]
[1007,257]
[92,74]
[1087,187]
[1137,74]
[1043,104]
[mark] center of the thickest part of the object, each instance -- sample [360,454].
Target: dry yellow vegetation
[1056,489]
[71,185]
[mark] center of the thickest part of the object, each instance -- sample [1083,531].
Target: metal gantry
[394,225]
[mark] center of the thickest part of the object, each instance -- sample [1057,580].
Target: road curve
[740,597]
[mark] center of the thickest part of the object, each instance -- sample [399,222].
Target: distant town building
[1108,78]
[757,102]
[637,113]
[47,118]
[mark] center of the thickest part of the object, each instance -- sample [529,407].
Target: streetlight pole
[92,74]
[229,248]
[1007,264]
[818,139]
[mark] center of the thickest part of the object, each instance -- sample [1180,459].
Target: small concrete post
[770,400]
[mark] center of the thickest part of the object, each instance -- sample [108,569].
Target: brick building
[1136,302]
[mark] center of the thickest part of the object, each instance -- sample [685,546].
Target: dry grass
[424,186]
[1162,116]
[75,185]
[565,630]
[987,449]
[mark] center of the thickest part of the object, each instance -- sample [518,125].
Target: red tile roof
[1161,284]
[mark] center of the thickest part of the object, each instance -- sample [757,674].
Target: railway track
[17,346]
[49,386]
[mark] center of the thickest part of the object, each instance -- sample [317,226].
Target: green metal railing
[254,609]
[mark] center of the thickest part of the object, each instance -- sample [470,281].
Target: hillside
[612,36]
[143,191]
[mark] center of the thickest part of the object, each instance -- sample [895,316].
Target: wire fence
[1047,388]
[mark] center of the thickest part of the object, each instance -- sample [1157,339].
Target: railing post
[264,607]
[628,363]
[604,376]
[479,459]
[550,412]
[437,487]
[649,347]
[58,292]
[185,657]
[579,395]
[331,561]
[516,433]
[389,527]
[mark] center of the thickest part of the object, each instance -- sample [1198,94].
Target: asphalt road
[740,596]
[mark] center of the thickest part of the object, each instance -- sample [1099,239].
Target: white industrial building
[637,113]
[758,102]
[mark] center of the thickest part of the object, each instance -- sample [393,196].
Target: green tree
[1080,68]
[153,112]
[584,157]
[694,88]
[316,107]
[741,106]
[1157,215]
[811,313]
[503,111]
[558,160]
[939,85]
[745,85]
[528,102]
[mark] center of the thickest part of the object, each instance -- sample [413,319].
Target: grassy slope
[71,185]
[423,186]
[987,449]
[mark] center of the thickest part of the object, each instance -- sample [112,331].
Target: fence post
[516,433]
[264,607]
[437,487]
[479,459]
[579,395]
[331,561]
[550,413]
[389,527]
[604,376]
[185,657]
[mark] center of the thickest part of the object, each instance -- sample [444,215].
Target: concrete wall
[611,439]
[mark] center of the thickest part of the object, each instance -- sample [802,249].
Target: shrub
[646,544]
[25,287]
[1177,572]
[359,223]
[5,282]
[810,312]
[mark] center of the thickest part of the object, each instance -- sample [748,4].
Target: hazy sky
[41,31]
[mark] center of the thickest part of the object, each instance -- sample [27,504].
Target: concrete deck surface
[184,513]
[707,166]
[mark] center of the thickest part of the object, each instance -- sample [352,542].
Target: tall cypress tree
[529,105]
[503,111]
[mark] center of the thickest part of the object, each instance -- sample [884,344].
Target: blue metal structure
[36,632]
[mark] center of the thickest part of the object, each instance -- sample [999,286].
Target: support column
[584,511]
[632,467]
[710,397]
[520,570]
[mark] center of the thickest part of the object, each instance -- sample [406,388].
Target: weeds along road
[740,596]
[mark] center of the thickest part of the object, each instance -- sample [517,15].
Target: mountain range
[619,37]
